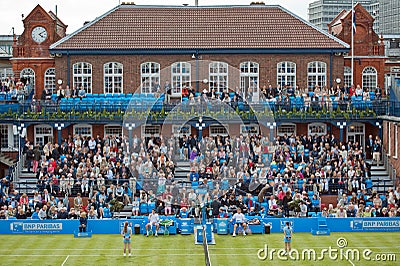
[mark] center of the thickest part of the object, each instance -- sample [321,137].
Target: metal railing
[160,110]
[389,166]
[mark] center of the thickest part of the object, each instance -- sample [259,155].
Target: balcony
[148,109]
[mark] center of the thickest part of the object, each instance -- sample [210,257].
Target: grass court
[65,250]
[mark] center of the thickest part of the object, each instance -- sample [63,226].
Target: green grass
[180,250]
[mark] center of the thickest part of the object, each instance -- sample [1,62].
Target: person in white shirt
[154,219]
[239,219]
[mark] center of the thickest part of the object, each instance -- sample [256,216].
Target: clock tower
[31,58]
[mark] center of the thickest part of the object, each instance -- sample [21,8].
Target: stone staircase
[7,160]
[26,183]
[381,180]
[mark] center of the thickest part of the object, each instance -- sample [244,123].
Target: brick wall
[131,64]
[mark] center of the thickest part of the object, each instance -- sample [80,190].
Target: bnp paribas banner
[25,227]
[374,224]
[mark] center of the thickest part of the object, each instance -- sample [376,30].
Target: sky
[75,12]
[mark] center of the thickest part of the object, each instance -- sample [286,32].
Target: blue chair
[143,208]
[151,206]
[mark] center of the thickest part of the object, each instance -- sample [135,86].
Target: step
[380,173]
[182,169]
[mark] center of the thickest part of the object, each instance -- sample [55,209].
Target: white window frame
[113,78]
[82,76]
[286,126]
[218,76]
[316,74]
[249,75]
[369,78]
[50,79]
[249,129]
[389,138]
[39,131]
[7,131]
[150,130]
[286,73]
[217,130]
[396,140]
[28,73]
[347,76]
[177,130]
[113,127]
[351,131]
[149,77]
[180,77]
[323,132]
[77,129]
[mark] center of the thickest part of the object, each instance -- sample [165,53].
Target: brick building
[369,49]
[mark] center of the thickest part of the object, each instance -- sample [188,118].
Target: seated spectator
[341,213]
[183,213]
[81,93]
[83,222]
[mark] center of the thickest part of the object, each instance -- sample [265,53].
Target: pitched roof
[211,27]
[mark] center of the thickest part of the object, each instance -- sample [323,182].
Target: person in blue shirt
[35,214]
[287,233]
[127,234]
[183,213]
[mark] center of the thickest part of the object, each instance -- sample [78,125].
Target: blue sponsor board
[35,227]
[186,225]
[372,224]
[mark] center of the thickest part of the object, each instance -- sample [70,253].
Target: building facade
[389,18]
[322,12]
[31,59]
[369,49]
[131,51]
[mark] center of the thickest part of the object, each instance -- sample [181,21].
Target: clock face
[39,34]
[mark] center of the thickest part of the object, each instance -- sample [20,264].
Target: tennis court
[181,250]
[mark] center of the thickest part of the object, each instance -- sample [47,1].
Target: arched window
[347,76]
[50,79]
[113,77]
[316,74]
[82,76]
[180,76]
[369,78]
[29,75]
[218,76]
[286,74]
[249,75]
[150,76]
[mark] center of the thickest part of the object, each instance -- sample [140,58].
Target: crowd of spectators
[276,178]
[12,89]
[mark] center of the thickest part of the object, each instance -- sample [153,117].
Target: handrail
[389,166]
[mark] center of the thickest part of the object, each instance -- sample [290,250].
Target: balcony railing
[116,108]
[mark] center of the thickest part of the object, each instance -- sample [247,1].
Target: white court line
[352,263]
[89,255]
[166,249]
[65,261]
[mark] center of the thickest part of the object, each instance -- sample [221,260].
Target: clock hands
[43,32]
